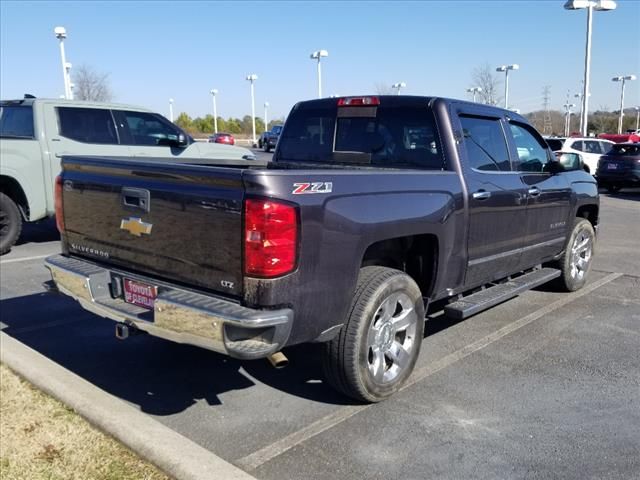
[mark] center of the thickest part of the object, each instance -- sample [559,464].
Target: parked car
[35,133]
[269,139]
[620,167]
[372,208]
[621,138]
[590,149]
[225,138]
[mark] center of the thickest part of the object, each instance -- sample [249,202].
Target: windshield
[276,129]
[398,137]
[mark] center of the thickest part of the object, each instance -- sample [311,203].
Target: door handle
[481,195]
[136,198]
[534,191]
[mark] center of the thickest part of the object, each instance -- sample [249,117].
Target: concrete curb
[173,453]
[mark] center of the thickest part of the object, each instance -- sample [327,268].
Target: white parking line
[24,259]
[255,459]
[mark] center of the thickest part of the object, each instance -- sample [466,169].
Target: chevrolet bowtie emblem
[135,226]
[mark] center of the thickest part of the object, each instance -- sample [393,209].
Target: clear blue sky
[157,50]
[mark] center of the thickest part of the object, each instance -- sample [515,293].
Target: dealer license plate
[139,293]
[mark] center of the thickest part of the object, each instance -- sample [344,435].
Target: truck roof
[407,101]
[28,101]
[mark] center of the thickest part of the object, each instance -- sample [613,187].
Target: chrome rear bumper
[178,315]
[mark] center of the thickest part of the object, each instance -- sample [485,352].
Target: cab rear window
[383,136]
[16,121]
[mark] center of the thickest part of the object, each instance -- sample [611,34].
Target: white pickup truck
[35,133]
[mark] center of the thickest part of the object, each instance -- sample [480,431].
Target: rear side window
[533,155]
[592,146]
[16,121]
[485,143]
[385,136]
[87,125]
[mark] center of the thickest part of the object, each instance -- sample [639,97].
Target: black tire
[259,143]
[575,263]
[349,359]
[266,147]
[10,223]
[612,188]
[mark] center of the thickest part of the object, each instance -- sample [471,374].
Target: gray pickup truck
[372,208]
[36,132]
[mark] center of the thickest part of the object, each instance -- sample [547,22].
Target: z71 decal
[312,187]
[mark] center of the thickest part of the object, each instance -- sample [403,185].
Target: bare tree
[383,88]
[484,77]
[91,85]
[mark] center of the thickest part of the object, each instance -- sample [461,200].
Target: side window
[87,125]
[485,143]
[533,155]
[16,121]
[604,147]
[578,146]
[591,146]
[148,128]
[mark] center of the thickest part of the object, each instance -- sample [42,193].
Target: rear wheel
[577,258]
[10,223]
[376,350]
[266,147]
[612,188]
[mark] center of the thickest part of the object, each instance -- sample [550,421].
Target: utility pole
[547,126]
[567,116]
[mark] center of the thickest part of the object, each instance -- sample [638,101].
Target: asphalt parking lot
[544,386]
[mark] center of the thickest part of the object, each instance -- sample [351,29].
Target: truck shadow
[39,232]
[159,376]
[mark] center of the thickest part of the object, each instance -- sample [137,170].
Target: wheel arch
[12,188]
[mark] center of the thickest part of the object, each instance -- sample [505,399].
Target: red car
[225,138]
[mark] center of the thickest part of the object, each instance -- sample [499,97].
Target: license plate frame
[139,293]
[612,166]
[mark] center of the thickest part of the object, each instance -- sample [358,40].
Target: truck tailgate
[174,221]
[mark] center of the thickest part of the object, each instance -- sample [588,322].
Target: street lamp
[252,78]
[474,91]
[61,34]
[637,119]
[266,122]
[171,109]
[213,93]
[622,79]
[579,97]
[590,5]
[317,55]
[398,86]
[505,69]
[567,117]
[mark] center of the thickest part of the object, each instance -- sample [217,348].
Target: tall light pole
[213,93]
[637,118]
[252,78]
[590,5]
[474,91]
[317,55]
[67,69]
[61,34]
[171,109]
[622,79]
[567,117]
[266,121]
[579,97]
[505,69]
[398,86]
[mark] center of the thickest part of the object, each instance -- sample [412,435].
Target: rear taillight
[358,101]
[58,205]
[271,238]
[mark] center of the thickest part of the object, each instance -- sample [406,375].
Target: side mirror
[569,161]
[182,140]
